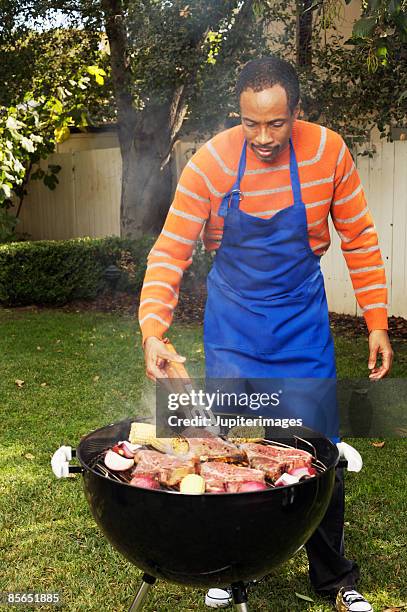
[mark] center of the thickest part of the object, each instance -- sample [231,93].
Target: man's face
[267,121]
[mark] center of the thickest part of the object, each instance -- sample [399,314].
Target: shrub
[198,271]
[56,272]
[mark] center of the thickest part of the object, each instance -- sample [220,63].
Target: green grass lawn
[84,370]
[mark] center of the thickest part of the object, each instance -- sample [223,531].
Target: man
[262,192]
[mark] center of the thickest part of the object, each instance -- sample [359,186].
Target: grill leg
[146,585]
[239,593]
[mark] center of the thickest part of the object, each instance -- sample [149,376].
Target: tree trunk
[304,33]
[146,188]
[145,139]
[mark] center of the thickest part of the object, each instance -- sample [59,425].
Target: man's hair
[266,72]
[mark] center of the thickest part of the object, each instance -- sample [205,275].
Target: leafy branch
[30,131]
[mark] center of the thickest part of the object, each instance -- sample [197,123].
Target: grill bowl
[206,540]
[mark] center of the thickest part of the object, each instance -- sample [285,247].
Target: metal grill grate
[98,464]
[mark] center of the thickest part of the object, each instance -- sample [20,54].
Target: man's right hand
[155,355]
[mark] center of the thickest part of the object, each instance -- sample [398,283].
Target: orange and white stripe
[330,186]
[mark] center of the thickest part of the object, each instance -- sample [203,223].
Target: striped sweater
[329,184]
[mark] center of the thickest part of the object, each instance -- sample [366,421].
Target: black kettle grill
[203,540]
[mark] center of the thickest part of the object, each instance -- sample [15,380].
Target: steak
[221,477]
[272,468]
[275,460]
[293,461]
[252,448]
[215,449]
[167,469]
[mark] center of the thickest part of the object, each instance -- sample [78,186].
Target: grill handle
[60,462]
[349,457]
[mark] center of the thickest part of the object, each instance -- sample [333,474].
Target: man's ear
[296,112]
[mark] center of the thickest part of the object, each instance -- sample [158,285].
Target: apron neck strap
[236,193]
[234,196]
[242,164]
[294,175]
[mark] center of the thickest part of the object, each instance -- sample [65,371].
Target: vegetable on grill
[116,462]
[144,434]
[193,484]
[206,465]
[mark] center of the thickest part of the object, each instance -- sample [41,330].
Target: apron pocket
[284,324]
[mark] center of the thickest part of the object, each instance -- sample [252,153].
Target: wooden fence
[87,203]
[384,177]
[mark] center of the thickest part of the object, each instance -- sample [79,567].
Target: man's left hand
[379,344]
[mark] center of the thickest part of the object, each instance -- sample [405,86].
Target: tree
[50,80]
[173,65]
[164,56]
[29,132]
[381,29]
[351,85]
[41,61]
[381,26]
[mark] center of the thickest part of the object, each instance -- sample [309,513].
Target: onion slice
[117,463]
[286,479]
[302,471]
[128,449]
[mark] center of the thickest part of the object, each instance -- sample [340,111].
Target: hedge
[56,272]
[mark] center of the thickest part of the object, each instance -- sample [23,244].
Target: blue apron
[266,314]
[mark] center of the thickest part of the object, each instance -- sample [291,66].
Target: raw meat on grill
[252,448]
[294,461]
[221,477]
[272,468]
[275,460]
[167,469]
[144,482]
[265,458]
[215,449]
[277,452]
[208,464]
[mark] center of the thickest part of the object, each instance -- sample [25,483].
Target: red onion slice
[286,479]
[302,471]
[117,463]
[129,449]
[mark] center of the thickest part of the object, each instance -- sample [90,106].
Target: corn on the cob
[144,433]
[241,434]
[171,446]
[140,432]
